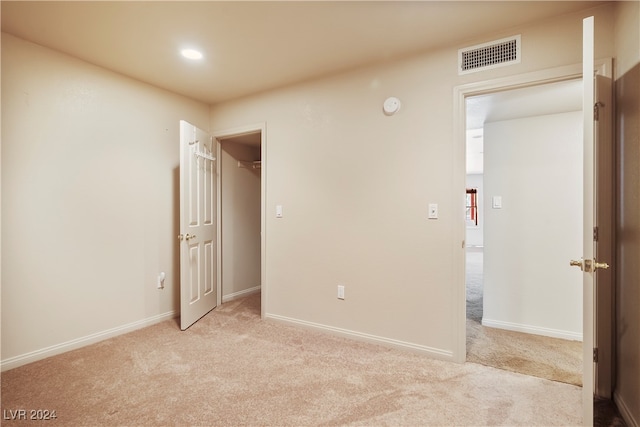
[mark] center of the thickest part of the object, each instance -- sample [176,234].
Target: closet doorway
[241,214]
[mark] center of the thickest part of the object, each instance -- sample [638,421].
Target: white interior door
[587,249]
[198,276]
[588,263]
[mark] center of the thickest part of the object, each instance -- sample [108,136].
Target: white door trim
[460,93]
[239,131]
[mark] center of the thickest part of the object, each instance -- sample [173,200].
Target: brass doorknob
[190,236]
[574,263]
[588,265]
[180,237]
[602,265]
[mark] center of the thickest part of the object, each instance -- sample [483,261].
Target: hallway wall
[535,165]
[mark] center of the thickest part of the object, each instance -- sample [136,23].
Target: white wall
[475,234]
[89,201]
[355,185]
[535,165]
[240,199]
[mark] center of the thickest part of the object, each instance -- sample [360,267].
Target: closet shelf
[249,165]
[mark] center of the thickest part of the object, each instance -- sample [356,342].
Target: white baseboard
[240,294]
[23,359]
[536,330]
[624,410]
[429,351]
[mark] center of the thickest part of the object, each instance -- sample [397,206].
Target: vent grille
[485,56]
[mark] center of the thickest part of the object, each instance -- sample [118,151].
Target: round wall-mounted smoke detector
[391,105]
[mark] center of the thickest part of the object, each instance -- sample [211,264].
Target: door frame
[230,133]
[460,93]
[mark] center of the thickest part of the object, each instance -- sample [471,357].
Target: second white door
[197,238]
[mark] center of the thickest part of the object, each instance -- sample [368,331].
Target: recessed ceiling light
[191,54]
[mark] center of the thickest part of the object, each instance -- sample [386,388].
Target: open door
[604,235]
[588,264]
[198,276]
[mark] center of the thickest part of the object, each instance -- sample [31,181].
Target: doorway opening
[241,196]
[523,190]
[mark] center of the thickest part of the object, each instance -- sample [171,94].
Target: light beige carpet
[551,358]
[234,369]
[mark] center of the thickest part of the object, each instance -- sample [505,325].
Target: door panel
[194,273]
[191,192]
[209,254]
[198,278]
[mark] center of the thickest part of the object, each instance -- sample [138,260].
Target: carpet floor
[234,369]
[551,358]
[606,414]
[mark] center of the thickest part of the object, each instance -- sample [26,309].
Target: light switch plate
[433,211]
[496,202]
[278,211]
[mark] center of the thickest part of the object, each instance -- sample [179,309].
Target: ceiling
[251,47]
[551,98]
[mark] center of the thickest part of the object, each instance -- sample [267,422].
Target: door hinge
[595,355]
[595,234]
[596,110]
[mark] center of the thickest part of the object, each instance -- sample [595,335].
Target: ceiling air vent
[497,53]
